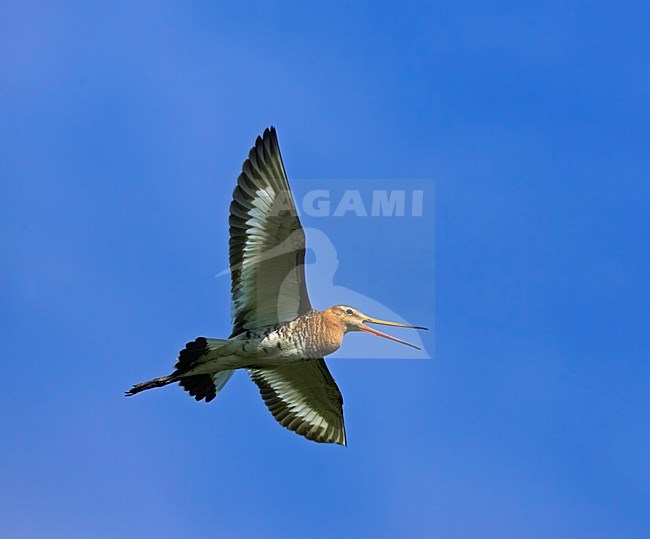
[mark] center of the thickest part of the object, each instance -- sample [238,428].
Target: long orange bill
[365,328]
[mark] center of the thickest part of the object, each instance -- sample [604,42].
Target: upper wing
[267,243]
[304,397]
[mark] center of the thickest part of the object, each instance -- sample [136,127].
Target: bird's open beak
[365,328]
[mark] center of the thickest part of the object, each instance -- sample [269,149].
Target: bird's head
[351,319]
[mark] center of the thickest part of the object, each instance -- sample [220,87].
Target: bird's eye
[349,311]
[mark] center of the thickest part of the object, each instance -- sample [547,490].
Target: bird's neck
[325,331]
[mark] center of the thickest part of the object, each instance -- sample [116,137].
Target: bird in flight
[277,336]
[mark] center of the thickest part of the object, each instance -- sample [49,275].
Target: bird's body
[306,337]
[277,335]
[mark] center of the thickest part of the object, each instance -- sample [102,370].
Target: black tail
[156,382]
[200,386]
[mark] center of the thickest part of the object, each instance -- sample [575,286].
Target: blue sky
[123,130]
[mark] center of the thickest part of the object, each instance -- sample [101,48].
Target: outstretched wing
[267,243]
[304,397]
